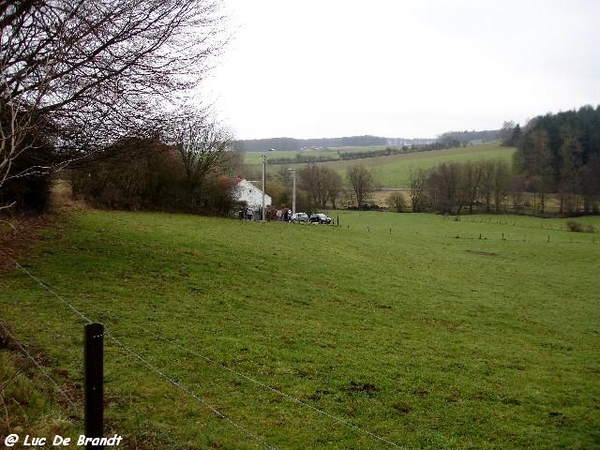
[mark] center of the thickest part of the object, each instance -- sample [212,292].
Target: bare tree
[12,135]
[541,165]
[310,182]
[472,176]
[322,184]
[590,185]
[417,180]
[501,183]
[361,182]
[506,133]
[571,152]
[84,72]
[444,186]
[333,185]
[205,149]
[487,182]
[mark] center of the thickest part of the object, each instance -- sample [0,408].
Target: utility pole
[264,169]
[293,190]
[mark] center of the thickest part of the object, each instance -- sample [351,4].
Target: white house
[245,191]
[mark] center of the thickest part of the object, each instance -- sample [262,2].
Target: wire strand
[148,364]
[211,361]
[276,391]
[46,287]
[32,359]
[186,390]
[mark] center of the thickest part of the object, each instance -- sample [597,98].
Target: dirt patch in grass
[442,324]
[482,253]
[361,388]
[17,236]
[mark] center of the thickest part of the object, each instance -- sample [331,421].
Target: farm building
[245,191]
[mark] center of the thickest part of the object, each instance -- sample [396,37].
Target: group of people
[249,214]
[283,215]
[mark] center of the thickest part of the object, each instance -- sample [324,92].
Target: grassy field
[255,158]
[414,331]
[393,171]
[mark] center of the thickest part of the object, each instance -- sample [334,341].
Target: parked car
[320,218]
[299,217]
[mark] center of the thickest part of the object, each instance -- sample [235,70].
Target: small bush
[397,202]
[578,227]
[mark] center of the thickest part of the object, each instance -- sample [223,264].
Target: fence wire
[197,398]
[276,391]
[153,368]
[40,367]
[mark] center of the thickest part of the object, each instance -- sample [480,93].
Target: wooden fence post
[93,355]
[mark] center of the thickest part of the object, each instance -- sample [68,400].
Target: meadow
[393,171]
[255,158]
[389,330]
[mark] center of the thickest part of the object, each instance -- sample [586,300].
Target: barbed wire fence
[549,233]
[278,392]
[188,392]
[152,367]
[46,374]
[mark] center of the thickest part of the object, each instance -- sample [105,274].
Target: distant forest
[557,159]
[291,144]
[263,145]
[560,153]
[464,137]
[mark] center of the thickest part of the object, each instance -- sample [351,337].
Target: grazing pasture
[390,330]
[393,171]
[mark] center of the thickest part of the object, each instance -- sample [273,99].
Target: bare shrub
[578,227]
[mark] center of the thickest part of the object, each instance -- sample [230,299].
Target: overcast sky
[402,68]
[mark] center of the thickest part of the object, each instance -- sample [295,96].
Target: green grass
[393,171]
[27,400]
[428,332]
[255,158]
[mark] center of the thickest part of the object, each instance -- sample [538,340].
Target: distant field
[393,171]
[255,158]
[391,330]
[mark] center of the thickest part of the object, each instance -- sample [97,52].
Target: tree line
[464,137]
[97,86]
[388,151]
[362,154]
[320,187]
[557,156]
[189,170]
[79,76]
[264,145]
[560,153]
[456,188]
